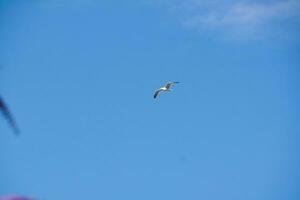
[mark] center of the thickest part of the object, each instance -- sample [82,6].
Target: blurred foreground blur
[15,198]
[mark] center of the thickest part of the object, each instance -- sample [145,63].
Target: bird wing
[157,93]
[7,114]
[170,84]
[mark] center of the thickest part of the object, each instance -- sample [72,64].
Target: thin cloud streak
[237,17]
[248,15]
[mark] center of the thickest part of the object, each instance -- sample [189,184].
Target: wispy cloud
[238,17]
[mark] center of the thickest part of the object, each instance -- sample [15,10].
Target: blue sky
[79,77]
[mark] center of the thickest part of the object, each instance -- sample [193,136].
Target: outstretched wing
[170,84]
[157,93]
[7,114]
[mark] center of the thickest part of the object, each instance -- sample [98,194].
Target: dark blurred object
[7,114]
[15,198]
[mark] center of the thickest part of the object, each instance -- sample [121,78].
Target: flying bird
[163,89]
[7,114]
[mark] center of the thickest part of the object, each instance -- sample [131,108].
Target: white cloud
[237,17]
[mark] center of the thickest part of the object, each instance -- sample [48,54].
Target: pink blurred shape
[15,198]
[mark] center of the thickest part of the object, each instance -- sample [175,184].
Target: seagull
[7,114]
[166,88]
